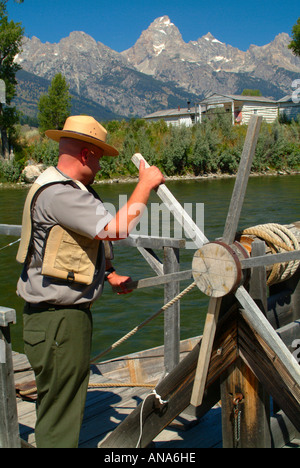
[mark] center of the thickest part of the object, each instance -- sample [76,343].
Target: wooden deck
[107,407]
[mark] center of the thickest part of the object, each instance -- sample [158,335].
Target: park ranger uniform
[63,274]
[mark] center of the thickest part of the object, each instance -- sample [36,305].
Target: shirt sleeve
[74,209]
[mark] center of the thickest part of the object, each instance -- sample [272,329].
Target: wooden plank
[157,243]
[7,316]
[177,388]
[158,280]
[266,332]
[182,217]
[172,314]
[283,431]
[9,429]
[229,234]
[133,240]
[289,333]
[250,427]
[267,260]
[152,259]
[10,230]
[246,424]
[205,355]
[241,182]
[270,371]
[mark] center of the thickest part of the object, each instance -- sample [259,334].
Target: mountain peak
[163,20]
[210,38]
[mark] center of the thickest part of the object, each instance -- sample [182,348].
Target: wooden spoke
[230,229]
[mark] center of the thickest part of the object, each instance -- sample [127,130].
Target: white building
[289,108]
[187,116]
[240,107]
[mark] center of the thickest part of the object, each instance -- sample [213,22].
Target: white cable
[161,402]
[9,245]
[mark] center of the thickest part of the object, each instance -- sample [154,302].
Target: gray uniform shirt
[80,212]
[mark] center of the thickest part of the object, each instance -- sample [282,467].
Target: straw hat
[84,128]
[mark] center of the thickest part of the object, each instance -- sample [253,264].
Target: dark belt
[48,306]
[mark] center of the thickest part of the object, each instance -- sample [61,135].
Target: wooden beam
[267,260]
[157,243]
[152,259]
[182,217]
[10,230]
[264,331]
[176,388]
[241,182]
[172,314]
[270,371]
[158,280]
[229,234]
[246,423]
[9,428]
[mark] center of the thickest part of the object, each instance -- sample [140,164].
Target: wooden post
[245,403]
[229,233]
[172,315]
[9,427]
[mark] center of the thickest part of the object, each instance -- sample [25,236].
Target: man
[65,229]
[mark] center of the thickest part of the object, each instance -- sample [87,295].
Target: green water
[268,199]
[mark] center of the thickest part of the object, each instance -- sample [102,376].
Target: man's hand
[116,280]
[129,215]
[151,177]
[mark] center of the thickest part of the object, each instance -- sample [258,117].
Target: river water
[268,199]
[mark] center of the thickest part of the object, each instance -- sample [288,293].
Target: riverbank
[192,177]
[186,177]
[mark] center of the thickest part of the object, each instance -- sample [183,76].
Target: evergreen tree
[55,107]
[11,35]
[295,44]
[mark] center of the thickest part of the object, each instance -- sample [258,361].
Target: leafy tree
[55,107]
[11,35]
[251,92]
[175,155]
[295,43]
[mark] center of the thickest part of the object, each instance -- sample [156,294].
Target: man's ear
[84,155]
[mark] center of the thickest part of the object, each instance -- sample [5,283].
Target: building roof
[238,97]
[171,113]
[288,99]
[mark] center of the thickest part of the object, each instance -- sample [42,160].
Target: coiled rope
[279,239]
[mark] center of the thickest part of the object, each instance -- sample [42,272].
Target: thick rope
[145,322]
[33,390]
[279,239]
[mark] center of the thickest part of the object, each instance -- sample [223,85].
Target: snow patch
[219,58]
[165,20]
[158,49]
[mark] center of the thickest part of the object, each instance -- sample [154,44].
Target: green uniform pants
[58,345]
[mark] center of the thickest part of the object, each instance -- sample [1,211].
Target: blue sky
[119,23]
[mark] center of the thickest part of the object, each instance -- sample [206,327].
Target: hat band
[84,135]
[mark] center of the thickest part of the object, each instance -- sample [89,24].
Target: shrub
[175,155]
[10,170]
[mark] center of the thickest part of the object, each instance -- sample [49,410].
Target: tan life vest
[67,255]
